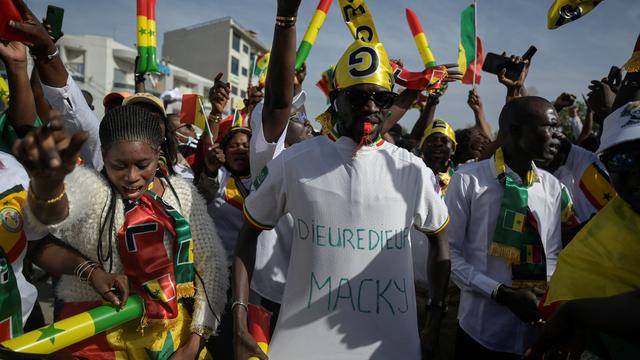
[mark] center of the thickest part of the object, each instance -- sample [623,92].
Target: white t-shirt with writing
[352,296]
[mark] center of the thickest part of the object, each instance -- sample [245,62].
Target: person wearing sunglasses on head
[597,279]
[353,199]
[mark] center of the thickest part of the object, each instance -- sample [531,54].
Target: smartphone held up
[494,63]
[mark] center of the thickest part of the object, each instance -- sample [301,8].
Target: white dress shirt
[473,198]
[77,116]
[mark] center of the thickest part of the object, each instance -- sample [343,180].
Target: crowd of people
[361,240]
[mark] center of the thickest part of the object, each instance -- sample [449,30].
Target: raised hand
[254,95]
[219,95]
[300,76]
[13,52]
[515,84]
[37,35]
[474,101]
[601,97]
[49,154]
[213,159]
[288,7]
[453,74]
[564,100]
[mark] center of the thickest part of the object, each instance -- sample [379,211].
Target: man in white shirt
[498,305]
[353,202]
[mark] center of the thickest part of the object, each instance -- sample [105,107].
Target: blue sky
[567,59]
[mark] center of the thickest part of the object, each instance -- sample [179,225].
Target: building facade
[102,65]
[220,45]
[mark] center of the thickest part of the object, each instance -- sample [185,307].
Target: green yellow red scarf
[160,281]
[516,237]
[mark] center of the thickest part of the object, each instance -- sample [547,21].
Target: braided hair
[130,123]
[125,123]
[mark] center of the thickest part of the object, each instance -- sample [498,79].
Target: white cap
[621,126]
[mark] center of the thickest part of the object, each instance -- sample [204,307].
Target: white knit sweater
[89,194]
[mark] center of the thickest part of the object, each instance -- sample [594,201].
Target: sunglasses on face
[622,162]
[188,126]
[359,98]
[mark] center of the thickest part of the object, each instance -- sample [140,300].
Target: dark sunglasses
[622,162]
[359,98]
[188,126]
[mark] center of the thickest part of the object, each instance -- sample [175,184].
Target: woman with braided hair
[164,241]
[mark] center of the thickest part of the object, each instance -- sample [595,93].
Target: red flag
[476,66]
[188,109]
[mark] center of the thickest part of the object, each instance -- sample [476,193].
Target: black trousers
[467,348]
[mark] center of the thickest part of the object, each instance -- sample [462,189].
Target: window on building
[245,48]
[244,71]
[234,90]
[243,94]
[75,63]
[235,44]
[121,79]
[235,66]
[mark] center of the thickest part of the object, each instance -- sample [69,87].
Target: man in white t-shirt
[349,291]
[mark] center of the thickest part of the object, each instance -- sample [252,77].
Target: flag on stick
[470,52]
[262,65]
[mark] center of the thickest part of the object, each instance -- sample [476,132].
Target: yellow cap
[439,126]
[364,63]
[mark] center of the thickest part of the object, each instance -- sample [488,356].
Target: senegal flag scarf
[516,237]
[10,301]
[444,178]
[12,244]
[160,280]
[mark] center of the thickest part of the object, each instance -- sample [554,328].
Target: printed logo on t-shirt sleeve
[260,178]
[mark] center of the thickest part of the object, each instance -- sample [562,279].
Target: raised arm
[280,77]
[22,110]
[50,67]
[59,88]
[475,103]
[48,155]
[515,88]
[42,106]
[427,115]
